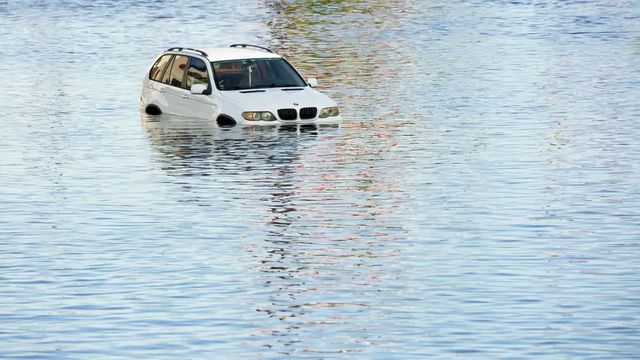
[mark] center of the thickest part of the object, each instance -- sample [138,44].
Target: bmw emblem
[295,104]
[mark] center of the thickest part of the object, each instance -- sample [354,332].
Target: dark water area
[481,198]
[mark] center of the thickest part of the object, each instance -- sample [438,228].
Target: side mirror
[313,82]
[198,89]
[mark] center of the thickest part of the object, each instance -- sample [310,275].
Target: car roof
[229,53]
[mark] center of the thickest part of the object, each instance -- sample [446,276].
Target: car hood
[278,98]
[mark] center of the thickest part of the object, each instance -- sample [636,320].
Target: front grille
[308,113]
[287,114]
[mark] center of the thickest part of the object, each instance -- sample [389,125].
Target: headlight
[329,111]
[258,116]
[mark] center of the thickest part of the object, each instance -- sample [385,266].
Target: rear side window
[197,73]
[156,70]
[166,74]
[175,76]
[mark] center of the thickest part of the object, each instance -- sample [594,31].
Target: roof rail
[186,48]
[249,45]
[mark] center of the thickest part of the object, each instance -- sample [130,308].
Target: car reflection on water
[296,245]
[192,146]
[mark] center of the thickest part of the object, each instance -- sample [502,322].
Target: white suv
[242,84]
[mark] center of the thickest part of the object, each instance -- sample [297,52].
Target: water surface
[480,199]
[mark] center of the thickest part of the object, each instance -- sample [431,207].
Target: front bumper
[328,120]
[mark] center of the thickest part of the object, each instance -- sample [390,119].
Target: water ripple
[480,200]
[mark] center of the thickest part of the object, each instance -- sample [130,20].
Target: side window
[175,76]
[166,74]
[197,73]
[156,70]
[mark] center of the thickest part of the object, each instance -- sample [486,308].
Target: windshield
[255,74]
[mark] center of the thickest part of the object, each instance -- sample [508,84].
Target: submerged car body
[243,84]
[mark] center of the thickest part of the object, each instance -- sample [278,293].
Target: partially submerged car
[241,84]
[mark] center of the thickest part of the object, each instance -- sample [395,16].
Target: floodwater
[481,198]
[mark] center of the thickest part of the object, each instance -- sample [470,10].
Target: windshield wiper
[290,85]
[273,85]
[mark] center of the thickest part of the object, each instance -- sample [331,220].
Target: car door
[175,91]
[153,92]
[201,105]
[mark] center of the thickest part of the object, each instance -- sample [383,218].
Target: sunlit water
[480,200]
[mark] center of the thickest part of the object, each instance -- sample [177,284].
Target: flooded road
[480,199]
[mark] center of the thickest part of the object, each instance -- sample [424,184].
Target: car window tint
[197,73]
[176,75]
[156,70]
